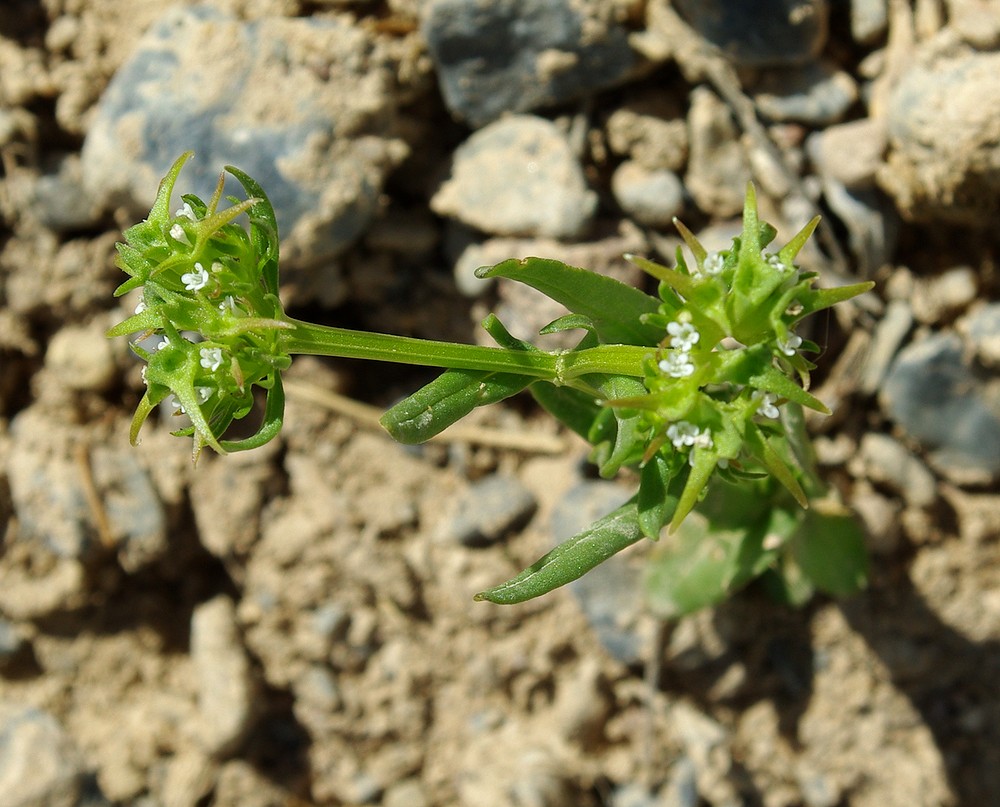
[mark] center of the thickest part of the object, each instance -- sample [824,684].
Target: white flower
[684,335]
[178,234]
[713,263]
[162,344]
[678,364]
[767,407]
[774,262]
[140,307]
[228,304]
[176,404]
[142,374]
[196,280]
[788,347]
[211,358]
[202,394]
[683,433]
[186,212]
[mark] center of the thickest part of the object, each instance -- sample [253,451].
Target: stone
[935,396]
[869,20]
[870,221]
[12,643]
[981,329]
[649,197]
[816,94]
[521,55]
[717,171]
[890,332]
[225,683]
[849,153]
[945,173]
[518,176]
[943,295]
[490,509]
[39,764]
[648,138]
[82,358]
[766,33]
[885,460]
[303,105]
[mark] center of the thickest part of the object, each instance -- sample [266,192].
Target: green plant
[694,389]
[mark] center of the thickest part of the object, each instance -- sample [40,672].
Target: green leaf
[571,559]
[829,548]
[447,399]
[612,306]
[657,498]
[758,445]
[572,408]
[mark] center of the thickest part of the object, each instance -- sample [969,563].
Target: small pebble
[490,509]
[717,171]
[650,197]
[39,765]
[817,94]
[82,358]
[518,176]
[890,332]
[884,460]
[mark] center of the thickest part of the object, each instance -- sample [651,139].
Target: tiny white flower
[186,212]
[211,358]
[140,307]
[767,407]
[713,263]
[684,335]
[203,393]
[162,344]
[178,234]
[142,374]
[196,280]
[228,304]
[788,347]
[774,262]
[176,404]
[677,364]
[683,434]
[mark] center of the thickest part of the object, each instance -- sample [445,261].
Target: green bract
[695,389]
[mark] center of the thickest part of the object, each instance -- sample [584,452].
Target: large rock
[302,105]
[519,55]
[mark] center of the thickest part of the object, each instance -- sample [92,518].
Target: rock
[189,778]
[302,105]
[12,643]
[681,788]
[408,793]
[771,32]
[884,460]
[817,94]
[81,357]
[935,396]
[849,153]
[870,221]
[60,200]
[880,516]
[226,690]
[518,176]
[519,55]
[869,20]
[488,510]
[982,330]
[890,332]
[650,197]
[648,138]
[609,595]
[39,765]
[944,295]
[582,706]
[717,171]
[945,173]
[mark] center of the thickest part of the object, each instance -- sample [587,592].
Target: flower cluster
[209,292]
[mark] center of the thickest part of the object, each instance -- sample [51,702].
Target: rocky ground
[294,625]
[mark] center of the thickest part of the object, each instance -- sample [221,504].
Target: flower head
[677,364]
[684,336]
[790,345]
[196,280]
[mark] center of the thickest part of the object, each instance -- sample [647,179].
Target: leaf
[447,399]
[657,498]
[614,307]
[571,559]
[758,445]
[829,548]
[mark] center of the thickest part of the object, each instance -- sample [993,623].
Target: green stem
[562,367]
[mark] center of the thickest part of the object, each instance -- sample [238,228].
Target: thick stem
[324,340]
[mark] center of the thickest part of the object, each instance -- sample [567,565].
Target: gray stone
[302,105]
[60,201]
[520,55]
[935,396]
[39,765]
[609,595]
[681,788]
[889,334]
[650,197]
[871,223]
[717,171]
[849,153]
[885,460]
[518,176]
[945,173]
[642,132]
[226,688]
[941,296]
[817,94]
[768,32]
[489,510]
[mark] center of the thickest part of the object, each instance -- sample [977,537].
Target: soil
[294,626]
